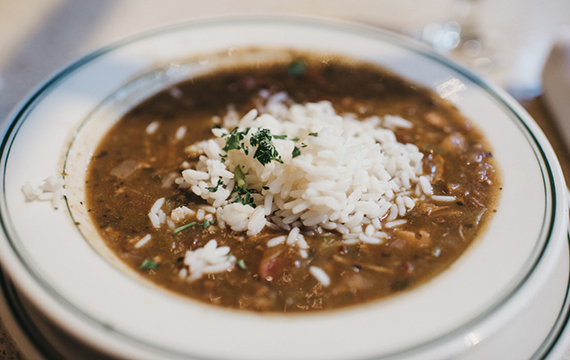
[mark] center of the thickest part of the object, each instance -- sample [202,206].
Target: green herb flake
[245,149]
[243,195]
[265,151]
[241,264]
[314,134]
[183,227]
[234,139]
[295,139]
[215,188]
[148,264]
[280,137]
[207,223]
[296,152]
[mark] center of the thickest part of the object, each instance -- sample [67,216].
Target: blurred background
[506,41]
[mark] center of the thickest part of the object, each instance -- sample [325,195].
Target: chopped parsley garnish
[295,139]
[241,264]
[215,188]
[207,223]
[314,134]
[243,195]
[234,139]
[296,152]
[265,151]
[262,140]
[183,227]
[148,264]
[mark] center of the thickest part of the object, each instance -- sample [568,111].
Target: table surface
[38,37]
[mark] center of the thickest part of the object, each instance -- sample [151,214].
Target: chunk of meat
[420,239]
[455,143]
[435,211]
[436,120]
[425,208]
[275,261]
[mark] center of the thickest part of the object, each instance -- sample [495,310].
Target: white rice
[180,132]
[347,176]
[143,241]
[320,275]
[181,213]
[157,205]
[351,241]
[276,241]
[370,230]
[443,198]
[152,127]
[292,237]
[52,189]
[154,219]
[395,223]
[156,215]
[209,259]
[302,243]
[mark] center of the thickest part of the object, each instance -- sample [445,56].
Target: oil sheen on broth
[139,159]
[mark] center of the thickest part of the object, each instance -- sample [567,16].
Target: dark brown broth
[277,279]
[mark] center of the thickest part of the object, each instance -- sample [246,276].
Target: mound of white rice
[332,171]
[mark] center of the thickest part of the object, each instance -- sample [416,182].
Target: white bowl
[504,298]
